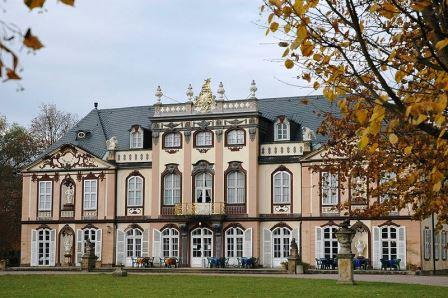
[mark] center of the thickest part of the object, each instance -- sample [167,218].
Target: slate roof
[105,123]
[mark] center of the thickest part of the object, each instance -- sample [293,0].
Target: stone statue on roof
[205,101]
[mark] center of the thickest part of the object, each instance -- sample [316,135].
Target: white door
[281,237]
[201,246]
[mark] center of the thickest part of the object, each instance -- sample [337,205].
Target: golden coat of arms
[205,101]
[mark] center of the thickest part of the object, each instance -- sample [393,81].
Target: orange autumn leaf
[31,41]
[34,3]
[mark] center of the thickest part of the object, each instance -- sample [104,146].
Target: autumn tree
[17,148]
[14,38]
[50,125]
[384,62]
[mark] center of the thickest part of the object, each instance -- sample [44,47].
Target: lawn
[104,285]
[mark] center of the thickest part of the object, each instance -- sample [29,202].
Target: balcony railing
[284,149]
[131,156]
[199,209]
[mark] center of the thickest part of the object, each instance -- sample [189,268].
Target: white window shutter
[120,248]
[79,246]
[145,243]
[247,246]
[318,245]
[267,248]
[98,243]
[376,248]
[156,245]
[34,255]
[52,247]
[402,247]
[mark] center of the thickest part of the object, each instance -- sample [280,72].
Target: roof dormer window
[136,137]
[281,129]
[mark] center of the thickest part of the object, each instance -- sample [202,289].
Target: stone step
[383,272]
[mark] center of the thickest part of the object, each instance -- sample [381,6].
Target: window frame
[330,240]
[136,138]
[173,234]
[329,189]
[46,194]
[164,186]
[286,126]
[281,170]
[173,133]
[235,130]
[443,241]
[46,245]
[203,188]
[427,243]
[198,133]
[231,242]
[135,175]
[283,251]
[134,237]
[90,208]
[389,240]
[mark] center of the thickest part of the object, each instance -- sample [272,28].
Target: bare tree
[50,125]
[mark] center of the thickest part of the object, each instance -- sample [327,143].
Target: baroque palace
[210,177]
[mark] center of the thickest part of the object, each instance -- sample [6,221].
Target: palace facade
[205,178]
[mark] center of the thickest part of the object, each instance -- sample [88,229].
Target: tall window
[203,188]
[172,140]
[137,139]
[45,195]
[281,130]
[135,191]
[330,242]
[90,194]
[170,243]
[282,187]
[386,178]
[234,238]
[444,245]
[236,188]
[43,247]
[427,243]
[281,238]
[389,243]
[134,243]
[235,137]
[329,188]
[89,234]
[204,139]
[171,189]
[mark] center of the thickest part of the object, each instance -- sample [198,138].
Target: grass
[180,286]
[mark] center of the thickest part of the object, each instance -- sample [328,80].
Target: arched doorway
[66,246]
[201,246]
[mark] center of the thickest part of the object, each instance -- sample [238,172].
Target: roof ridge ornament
[205,101]
[253,89]
[221,91]
[189,92]
[159,94]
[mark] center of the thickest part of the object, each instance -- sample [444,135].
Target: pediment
[69,157]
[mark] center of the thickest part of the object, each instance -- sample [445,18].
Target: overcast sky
[117,52]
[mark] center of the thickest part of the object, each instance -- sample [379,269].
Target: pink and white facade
[173,180]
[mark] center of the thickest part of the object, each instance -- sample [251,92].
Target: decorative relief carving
[202,150]
[234,123]
[218,134]
[205,101]
[187,132]
[235,166]
[68,158]
[202,166]
[203,125]
[282,209]
[171,168]
[135,211]
[252,133]
[171,126]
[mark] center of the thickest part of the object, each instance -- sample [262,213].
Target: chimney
[95,104]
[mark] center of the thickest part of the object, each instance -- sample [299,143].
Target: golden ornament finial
[205,101]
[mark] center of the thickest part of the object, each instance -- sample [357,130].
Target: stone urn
[345,236]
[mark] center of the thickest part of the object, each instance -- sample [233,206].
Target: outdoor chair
[390,264]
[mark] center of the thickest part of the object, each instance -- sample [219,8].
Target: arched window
[134,243]
[204,139]
[281,130]
[236,188]
[172,140]
[235,137]
[171,189]
[136,138]
[203,188]
[282,187]
[389,243]
[135,191]
[234,239]
[330,189]
[170,243]
[281,239]
[330,242]
[89,234]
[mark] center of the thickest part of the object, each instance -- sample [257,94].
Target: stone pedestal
[88,260]
[119,272]
[345,256]
[294,263]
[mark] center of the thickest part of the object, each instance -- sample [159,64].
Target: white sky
[117,52]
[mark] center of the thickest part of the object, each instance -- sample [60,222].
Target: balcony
[199,209]
[133,156]
[284,149]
